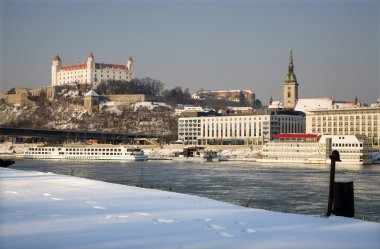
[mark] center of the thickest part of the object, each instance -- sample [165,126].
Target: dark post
[335,157]
[343,204]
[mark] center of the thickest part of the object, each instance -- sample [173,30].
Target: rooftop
[297,136]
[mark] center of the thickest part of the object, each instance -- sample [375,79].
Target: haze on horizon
[201,44]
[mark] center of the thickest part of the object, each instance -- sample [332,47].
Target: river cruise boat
[316,148]
[86,152]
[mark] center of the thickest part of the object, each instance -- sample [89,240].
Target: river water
[285,188]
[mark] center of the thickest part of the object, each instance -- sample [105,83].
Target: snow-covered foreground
[45,210]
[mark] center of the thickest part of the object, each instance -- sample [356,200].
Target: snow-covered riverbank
[166,151]
[44,210]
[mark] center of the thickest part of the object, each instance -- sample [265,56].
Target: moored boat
[315,149]
[86,152]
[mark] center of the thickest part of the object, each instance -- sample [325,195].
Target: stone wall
[130,99]
[18,98]
[50,91]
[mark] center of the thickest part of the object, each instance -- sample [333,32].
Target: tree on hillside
[258,103]
[177,96]
[152,86]
[146,85]
[11,91]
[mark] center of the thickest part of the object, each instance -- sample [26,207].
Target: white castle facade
[89,72]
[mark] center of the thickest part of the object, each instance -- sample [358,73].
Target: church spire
[290,66]
[290,86]
[290,76]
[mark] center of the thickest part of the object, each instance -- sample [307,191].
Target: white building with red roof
[89,72]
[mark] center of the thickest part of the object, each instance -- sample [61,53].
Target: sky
[197,44]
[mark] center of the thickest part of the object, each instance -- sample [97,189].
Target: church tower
[290,86]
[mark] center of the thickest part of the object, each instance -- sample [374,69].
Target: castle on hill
[89,72]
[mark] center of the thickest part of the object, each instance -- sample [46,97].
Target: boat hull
[87,158]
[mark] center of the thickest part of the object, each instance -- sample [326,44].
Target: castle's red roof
[97,66]
[130,58]
[74,67]
[91,55]
[297,135]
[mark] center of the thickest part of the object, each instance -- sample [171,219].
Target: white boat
[313,149]
[86,152]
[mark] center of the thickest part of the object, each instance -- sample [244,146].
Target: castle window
[289,94]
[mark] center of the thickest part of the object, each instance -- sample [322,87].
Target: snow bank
[231,154]
[44,210]
[161,152]
[150,105]
[241,154]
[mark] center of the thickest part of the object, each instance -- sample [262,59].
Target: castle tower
[91,101]
[90,68]
[130,68]
[54,69]
[290,86]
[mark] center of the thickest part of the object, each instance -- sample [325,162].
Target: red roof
[74,67]
[122,67]
[97,66]
[130,58]
[297,135]
[56,58]
[91,55]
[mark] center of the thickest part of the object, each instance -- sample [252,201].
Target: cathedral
[290,86]
[89,72]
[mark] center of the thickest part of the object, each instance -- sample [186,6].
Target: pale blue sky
[201,44]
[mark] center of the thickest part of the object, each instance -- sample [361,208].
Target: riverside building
[247,129]
[89,72]
[365,121]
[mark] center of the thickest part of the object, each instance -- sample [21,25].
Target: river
[301,189]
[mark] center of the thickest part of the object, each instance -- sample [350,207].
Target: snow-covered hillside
[112,117]
[44,210]
[151,105]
